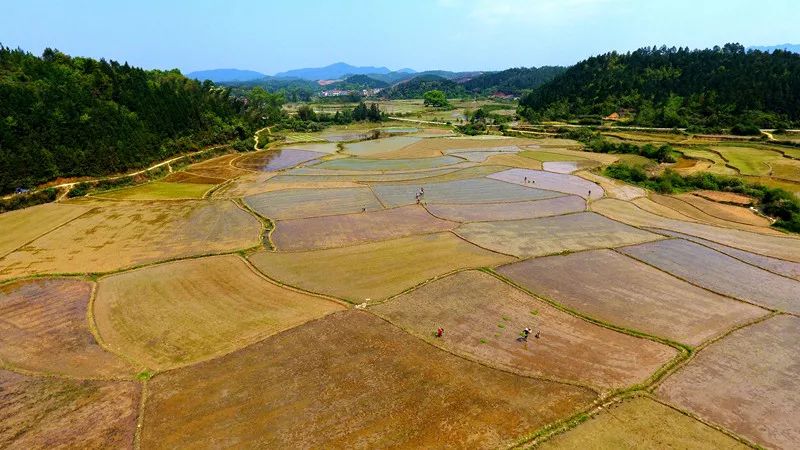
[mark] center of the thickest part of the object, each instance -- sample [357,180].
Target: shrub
[745,130]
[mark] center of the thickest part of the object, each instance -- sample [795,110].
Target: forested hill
[513,81]
[62,117]
[417,86]
[718,87]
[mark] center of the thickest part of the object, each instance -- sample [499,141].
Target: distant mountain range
[226,75]
[795,48]
[336,71]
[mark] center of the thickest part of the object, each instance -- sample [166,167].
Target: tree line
[63,116]
[676,87]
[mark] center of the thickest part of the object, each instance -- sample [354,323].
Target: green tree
[435,98]
[360,112]
[306,112]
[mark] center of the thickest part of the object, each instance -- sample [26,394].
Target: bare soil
[349,229]
[647,300]
[350,380]
[44,328]
[59,413]
[748,382]
[483,318]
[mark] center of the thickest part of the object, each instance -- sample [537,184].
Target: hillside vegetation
[676,87]
[417,86]
[513,81]
[67,117]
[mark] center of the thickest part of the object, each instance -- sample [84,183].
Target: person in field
[439,332]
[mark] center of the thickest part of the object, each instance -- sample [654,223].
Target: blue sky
[272,36]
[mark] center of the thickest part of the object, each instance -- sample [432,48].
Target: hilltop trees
[67,117]
[677,87]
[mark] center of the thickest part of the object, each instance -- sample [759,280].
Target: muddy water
[567,166]
[278,160]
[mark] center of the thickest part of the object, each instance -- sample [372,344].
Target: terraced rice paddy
[275,160]
[715,163]
[44,329]
[648,300]
[489,212]
[720,273]
[386,389]
[181,312]
[486,329]
[159,190]
[477,190]
[300,203]
[545,156]
[567,184]
[748,160]
[188,177]
[749,383]
[377,270]
[119,235]
[44,412]
[642,423]
[781,247]
[294,301]
[713,213]
[774,265]
[614,188]
[371,148]
[349,229]
[382,165]
[550,235]
[24,225]
[221,167]
[568,166]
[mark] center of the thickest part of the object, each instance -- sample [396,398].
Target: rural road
[70,185]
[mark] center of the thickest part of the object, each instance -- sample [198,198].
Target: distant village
[341,92]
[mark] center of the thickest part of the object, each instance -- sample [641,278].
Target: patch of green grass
[550,156]
[749,160]
[483,341]
[158,190]
[501,325]
[534,312]
[145,375]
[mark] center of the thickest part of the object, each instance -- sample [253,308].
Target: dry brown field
[349,380]
[24,225]
[483,318]
[303,203]
[642,423]
[778,266]
[559,182]
[487,212]
[376,270]
[185,311]
[781,247]
[648,300]
[349,229]
[44,329]
[748,382]
[550,235]
[44,412]
[120,235]
[720,273]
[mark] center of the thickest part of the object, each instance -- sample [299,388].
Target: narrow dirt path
[70,185]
